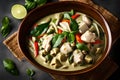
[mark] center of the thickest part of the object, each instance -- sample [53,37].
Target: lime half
[18,11]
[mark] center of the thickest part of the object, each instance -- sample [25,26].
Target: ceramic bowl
[51,8]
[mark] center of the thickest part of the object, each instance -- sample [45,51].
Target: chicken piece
[88,58]
[43,52]
[64,26]
[46,42]
[55,63]
[62,57]
[83,27]
[66,48]
[88,37]
[54,51]
[77,56]
[86,19]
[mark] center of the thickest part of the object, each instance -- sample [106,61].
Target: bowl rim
[67,72]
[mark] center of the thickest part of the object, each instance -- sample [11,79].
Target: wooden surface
[12,45]
[102,72]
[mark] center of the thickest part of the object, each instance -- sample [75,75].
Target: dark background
[5,7]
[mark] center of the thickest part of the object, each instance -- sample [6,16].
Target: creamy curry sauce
[68,41]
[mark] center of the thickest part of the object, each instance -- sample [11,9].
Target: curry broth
[94,50]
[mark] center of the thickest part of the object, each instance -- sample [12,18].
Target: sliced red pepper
[59,31]
[36,48]
[38,37]
[75,16]
[78,38]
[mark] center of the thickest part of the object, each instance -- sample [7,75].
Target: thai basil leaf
[5,28]
[71,12]
[73,25]
[57,39]
[10,66]
[65,33]
[30,5]
[66,15]
[40,29]
[40,2]
[5,21]
[71,37]
[82,46]
[30,72]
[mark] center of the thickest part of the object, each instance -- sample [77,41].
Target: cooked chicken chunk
[66,48]
[77,56]
[88,37]
[54,51]
[62,57]
[55,63]
[83,27]
[86,19]
[88,58]
[64,26]
[46,42]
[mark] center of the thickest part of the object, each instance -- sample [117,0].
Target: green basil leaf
[57,39]
[71,37]
[82,46]
[40,29]
[9,65]
[5,28]
[71,12]
[5,21]
[73,25]
[40,2]
[30,5]
[66,15]
[30,72]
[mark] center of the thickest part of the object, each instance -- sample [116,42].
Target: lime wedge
[18,11]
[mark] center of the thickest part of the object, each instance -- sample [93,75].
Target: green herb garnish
[57,39]
[5,28]
[82,46]
[31,4]
[40,29]
[30,73]
[10,66]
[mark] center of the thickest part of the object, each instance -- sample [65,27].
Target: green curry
[66,41]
